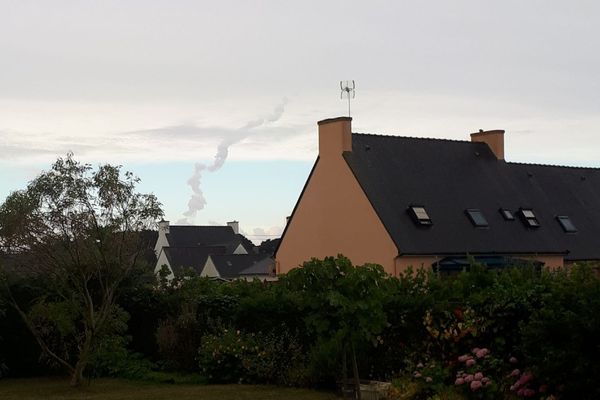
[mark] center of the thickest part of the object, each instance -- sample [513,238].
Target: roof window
[477,218]
[529,218]
[420,215]
[507,214]
[566,224]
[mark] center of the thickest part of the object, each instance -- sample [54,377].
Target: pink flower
[482,353]
[475,350]
[515,373]
[470,362]
[526,377]
[428,379]
[469,378]
[420,365]
[485,380]
[478,376]
[463,358]
[513,360]
[459,381]
[475,385]
[417,374]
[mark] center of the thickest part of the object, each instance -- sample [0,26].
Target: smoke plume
[197,201]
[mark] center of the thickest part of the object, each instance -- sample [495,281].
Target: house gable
[240,249]
[333,215]
[163,260]
[210,270]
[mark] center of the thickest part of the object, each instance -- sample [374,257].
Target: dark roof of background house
[447,177]
[266,266]
[235,265]
[269,246]
[194,235]
[190,257]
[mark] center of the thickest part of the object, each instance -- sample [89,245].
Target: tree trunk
[82,361]
[77,376]
[355,370]
[344,371]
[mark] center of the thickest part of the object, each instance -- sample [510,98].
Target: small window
[420,215]
[529,218]
[566,224]
[528,214]
[507,214]
[477,218]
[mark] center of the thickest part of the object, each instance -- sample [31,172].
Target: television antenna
[347,89]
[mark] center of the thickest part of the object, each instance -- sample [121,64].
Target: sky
[214,104]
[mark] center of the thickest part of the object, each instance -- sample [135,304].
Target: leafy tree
[78,230]
[341,302]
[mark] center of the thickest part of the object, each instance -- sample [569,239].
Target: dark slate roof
[195,235]
[266,266]
[448,177]
[190,257]
[232,266]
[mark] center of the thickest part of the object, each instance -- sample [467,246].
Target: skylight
[477,218]
[529,218]
[507,214]
[420,215]
[566,224]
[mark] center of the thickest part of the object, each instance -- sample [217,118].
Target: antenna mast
[347,88]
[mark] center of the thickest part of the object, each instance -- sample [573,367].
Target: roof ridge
[468,141]
[200,226]
[413,137]
[553,165]
[194,247]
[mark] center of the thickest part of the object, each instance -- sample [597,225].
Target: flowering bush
[236,356]
[430,376]
[476,373]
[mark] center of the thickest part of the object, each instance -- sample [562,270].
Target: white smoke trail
[197,201]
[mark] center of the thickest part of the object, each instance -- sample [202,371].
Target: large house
[413,202]
[211,251]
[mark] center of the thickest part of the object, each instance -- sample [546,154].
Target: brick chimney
[494,139]
[235,225]
[335,136]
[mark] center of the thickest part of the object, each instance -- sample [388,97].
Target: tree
[343,303]
[77,230]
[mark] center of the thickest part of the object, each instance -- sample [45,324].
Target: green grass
[113,389]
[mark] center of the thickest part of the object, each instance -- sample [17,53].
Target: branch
[36,334]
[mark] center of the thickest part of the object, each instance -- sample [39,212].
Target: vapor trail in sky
[197,201]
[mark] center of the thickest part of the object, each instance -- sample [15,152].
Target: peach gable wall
[550,261]
[334,215]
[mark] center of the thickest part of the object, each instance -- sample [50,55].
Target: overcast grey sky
[163,82]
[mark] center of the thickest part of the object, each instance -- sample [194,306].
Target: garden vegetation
[90,306]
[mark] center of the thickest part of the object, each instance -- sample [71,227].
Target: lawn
[112,389]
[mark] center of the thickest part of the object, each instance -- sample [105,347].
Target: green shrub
[560,339]
[237,356]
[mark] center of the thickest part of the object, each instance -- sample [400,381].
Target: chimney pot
[235,225]
[494,139]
